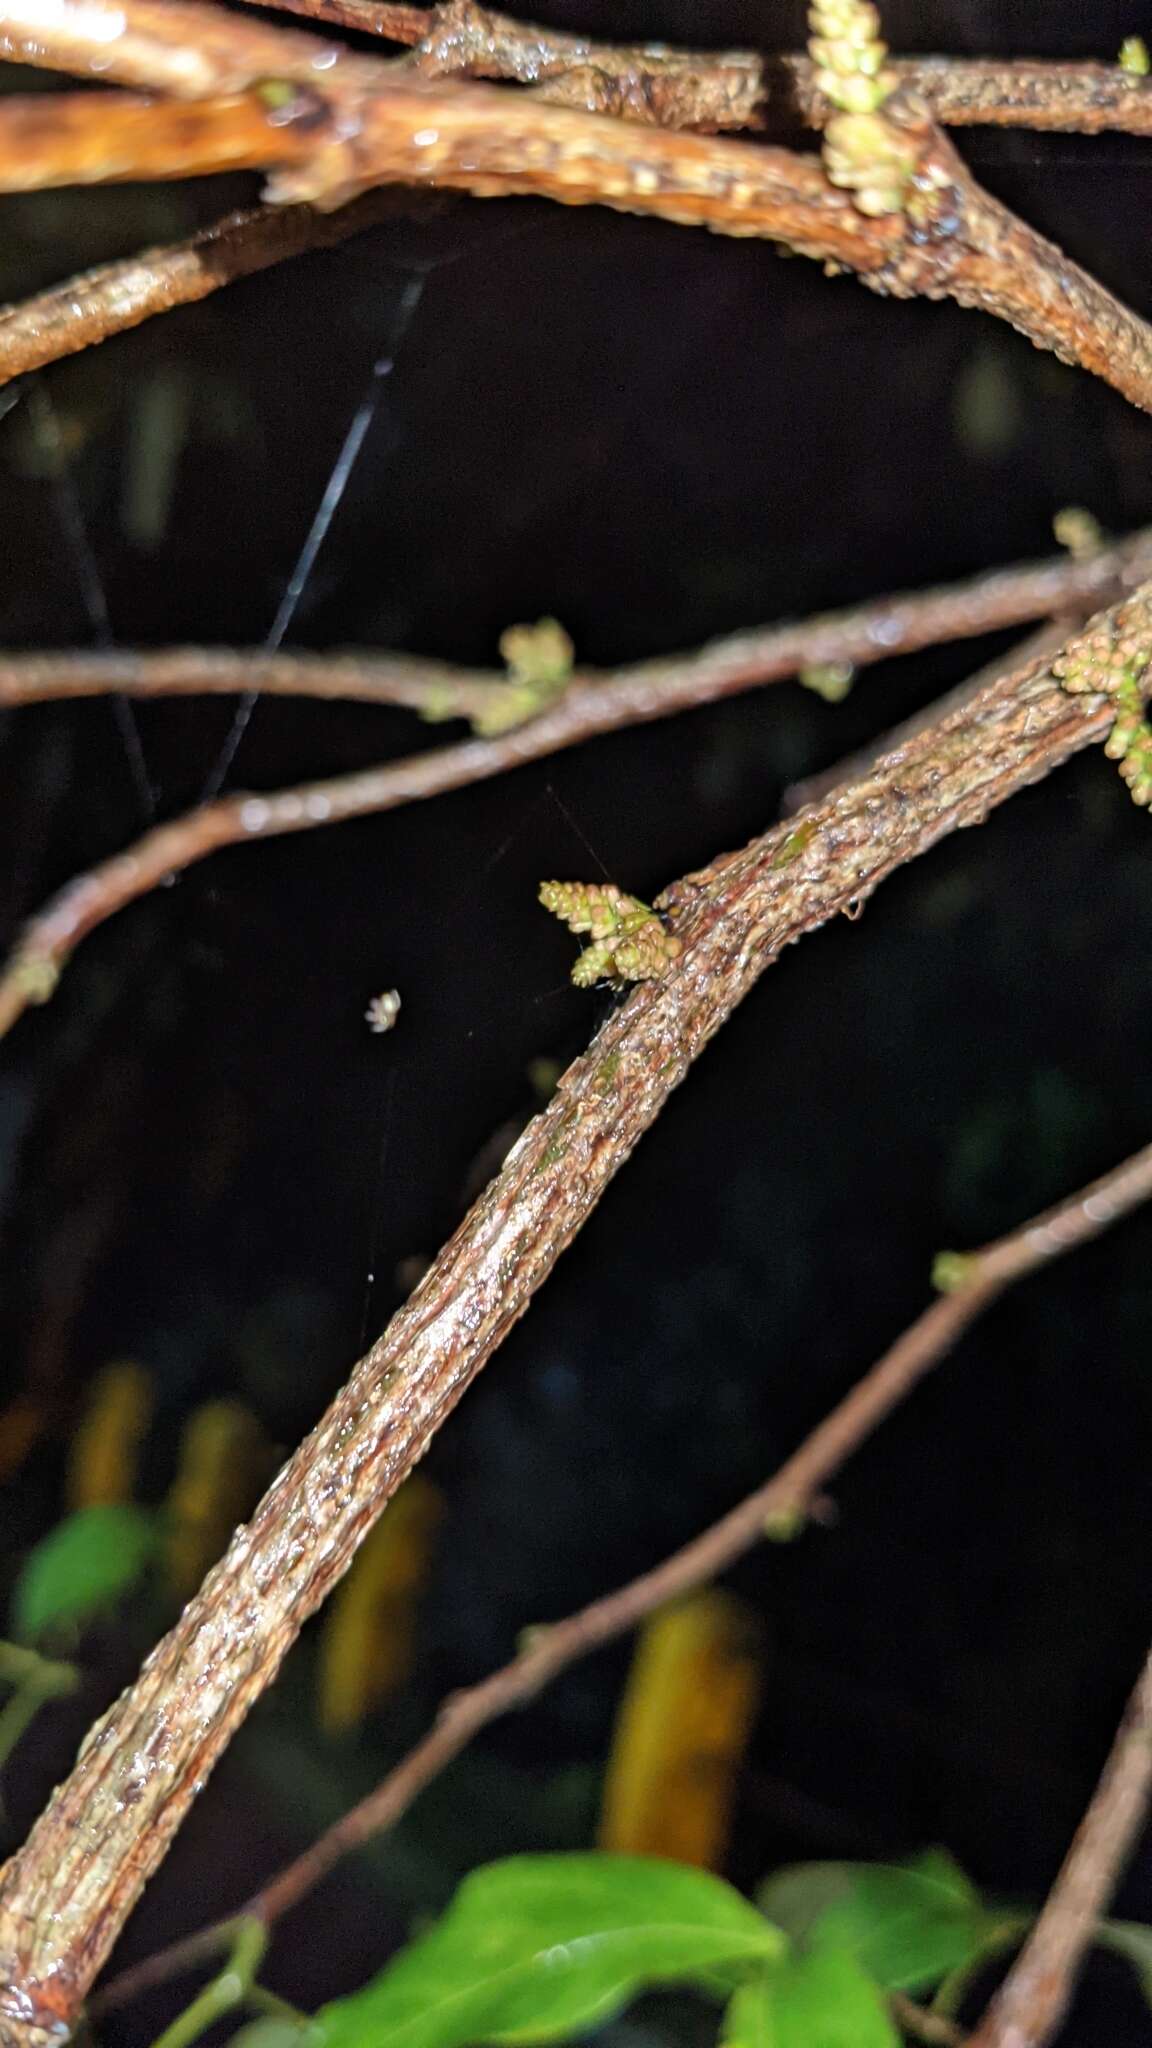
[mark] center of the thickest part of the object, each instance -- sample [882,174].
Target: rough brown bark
[356,122]
[731,89]
[66,1893]
[179,47]
[792,1491]
[55,139]
[668,88]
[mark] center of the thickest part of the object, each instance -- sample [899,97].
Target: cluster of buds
[542,654]
[539,661]
[863,152]
[629,943]
[846,48]
[1130,740]
[1111,661]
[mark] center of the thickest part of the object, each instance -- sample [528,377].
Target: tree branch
[171,46]
[921,2025]
[181,47]
[857,637]
[1075,99]
[66,1893]
[354,122]
[116,296]
[1035,1996]
[414,682]
[1041,645]
[54,139]
[790,1494]
[1060,726]
[674,88]
[731,89]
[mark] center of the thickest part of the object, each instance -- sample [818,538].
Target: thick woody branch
[350,123]
[656,86]
[787,1497]
[66,1893]
[856,637]
[1041,645]
[669,88]
[174,46]
[585,711]
[169,46]
[729,89]
[1074,99]
[1032,2002]
[55,139]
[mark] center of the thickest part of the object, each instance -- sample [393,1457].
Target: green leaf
[819,2000]
[907,1925]
[270,2032]
[536,1948]
[1132,1940]
[796,1897]
[748,2021]
[85,1564]
[826,2000]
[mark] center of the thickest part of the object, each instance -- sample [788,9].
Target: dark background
[656,435]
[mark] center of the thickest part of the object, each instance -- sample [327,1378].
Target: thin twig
[586,710]
[732,89]
[920,2025]
[784,1499]
[353,122]
[856,636]
[34,1680]
[414,682]
[1035,1996]
[229,1988]
[65,1894]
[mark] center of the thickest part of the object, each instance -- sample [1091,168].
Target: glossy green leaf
[84,1565]
[1132,1940]
[821,1999]
[907,1925]
[537,1948]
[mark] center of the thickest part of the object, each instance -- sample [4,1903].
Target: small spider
[383,1010]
